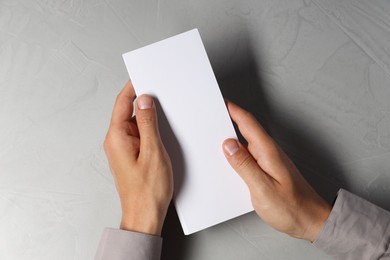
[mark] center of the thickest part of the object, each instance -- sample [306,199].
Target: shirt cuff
[117,244]
[355,229]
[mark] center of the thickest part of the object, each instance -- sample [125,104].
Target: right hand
[279,193]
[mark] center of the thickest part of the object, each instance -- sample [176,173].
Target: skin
[142,171]
[139,163]
[279,193]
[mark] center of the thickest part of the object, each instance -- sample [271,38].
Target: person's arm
[355,229]
[143,177]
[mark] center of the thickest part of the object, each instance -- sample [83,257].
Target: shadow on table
[245,86]
[175,243]
[241,82]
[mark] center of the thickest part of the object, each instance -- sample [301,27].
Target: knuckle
[108,142]
[243,160]
[248,116]
[146,120]
[118,99]
[271,149]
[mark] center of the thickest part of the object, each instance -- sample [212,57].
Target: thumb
[242,162]
[146,117]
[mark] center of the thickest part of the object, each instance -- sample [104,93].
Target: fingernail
[231,147]
[144,102]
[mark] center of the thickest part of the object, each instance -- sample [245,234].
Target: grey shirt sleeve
[116,244]
[355,229]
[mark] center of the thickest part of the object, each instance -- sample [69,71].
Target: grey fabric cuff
[116,244]
[355,229]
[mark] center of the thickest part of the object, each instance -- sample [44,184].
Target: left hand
[139,163]
[279,193]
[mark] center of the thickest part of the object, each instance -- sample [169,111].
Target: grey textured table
[315,73]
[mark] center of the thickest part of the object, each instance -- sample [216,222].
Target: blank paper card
[194,122]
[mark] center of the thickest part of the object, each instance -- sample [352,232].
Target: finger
[123,108]
[261,146]
[146,117]
[133,128]
[249,127]
[243,163]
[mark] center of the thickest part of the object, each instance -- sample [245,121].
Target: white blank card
[193,122]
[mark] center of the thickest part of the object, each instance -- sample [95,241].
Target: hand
[279,193]
[139,163]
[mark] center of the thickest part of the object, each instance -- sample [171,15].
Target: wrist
[147,225]
[143,220]
[319,214]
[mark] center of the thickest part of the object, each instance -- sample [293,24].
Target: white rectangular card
[194,122]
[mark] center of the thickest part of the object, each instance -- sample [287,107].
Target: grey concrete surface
[316,73]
